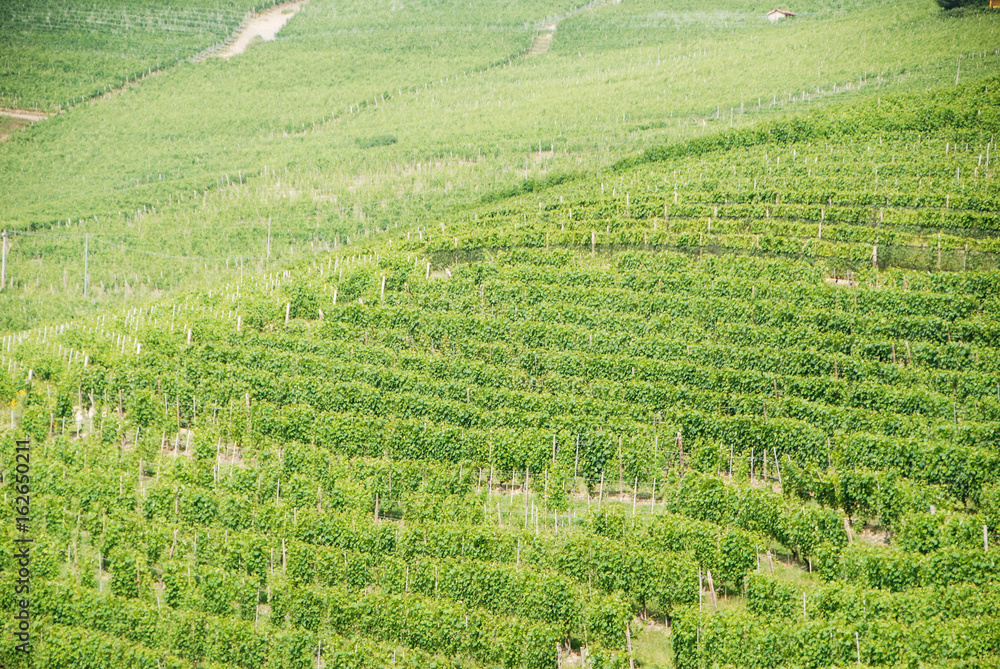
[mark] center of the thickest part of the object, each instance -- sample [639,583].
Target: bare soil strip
[23,114]
[543,40]
[547,32]
[264,25]
[12,120]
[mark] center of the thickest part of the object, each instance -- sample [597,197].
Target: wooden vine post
[680,450]
[711,590]
[628,641]
[621,470]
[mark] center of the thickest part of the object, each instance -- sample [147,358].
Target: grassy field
[402,347]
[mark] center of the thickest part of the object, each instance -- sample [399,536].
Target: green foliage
[126,573]
[35,421]
[919,532]
[989,503]
[217,593]
[810,526]
[858,493]
[898,570]
[926,532]
[356,283]
[596,455]
[768,596]
[607,621]
[303,299]
[737,556]
[143,410]
[378,140]
[558,478]
[198,507]
[702,497]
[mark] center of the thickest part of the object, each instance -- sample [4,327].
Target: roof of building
[783,12]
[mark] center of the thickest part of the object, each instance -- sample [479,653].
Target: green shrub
[767,596]
[377,140]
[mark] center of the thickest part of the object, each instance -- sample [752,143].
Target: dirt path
[12,120]
[264,26]
[543,40]
[547,31]
[23,114]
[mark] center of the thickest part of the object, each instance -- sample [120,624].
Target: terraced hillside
[733,402]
